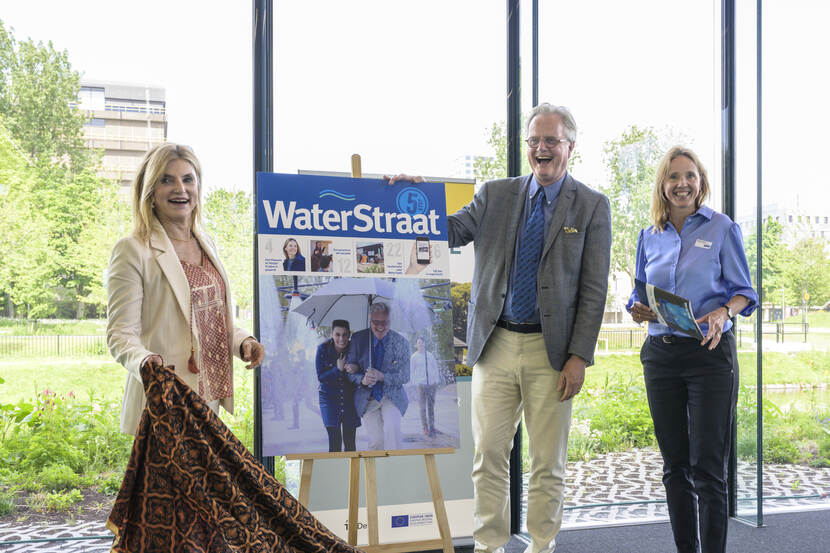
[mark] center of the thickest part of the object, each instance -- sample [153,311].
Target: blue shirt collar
[706,211]
[551,190]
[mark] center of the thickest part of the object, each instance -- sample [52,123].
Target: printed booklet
[673,311]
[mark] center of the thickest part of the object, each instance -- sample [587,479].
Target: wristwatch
[728,310]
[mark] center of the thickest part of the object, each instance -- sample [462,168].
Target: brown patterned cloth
[192,486]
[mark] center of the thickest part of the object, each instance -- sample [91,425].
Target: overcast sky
[415,86]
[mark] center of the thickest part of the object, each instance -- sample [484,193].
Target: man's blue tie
[530,249]
[377,360]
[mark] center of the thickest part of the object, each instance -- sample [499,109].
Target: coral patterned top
[209,317]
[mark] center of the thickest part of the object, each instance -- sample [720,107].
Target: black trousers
[346,436]
[692,394]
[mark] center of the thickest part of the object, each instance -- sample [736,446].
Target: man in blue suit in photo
[378,363]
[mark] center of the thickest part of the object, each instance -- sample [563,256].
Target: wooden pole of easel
[307,462]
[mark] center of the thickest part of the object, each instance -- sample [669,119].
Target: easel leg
[371,499]
[305,480]
[438,503]
[354,497]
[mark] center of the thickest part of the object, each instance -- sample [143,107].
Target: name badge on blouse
[705,244]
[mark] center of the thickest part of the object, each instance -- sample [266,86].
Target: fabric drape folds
[191,485]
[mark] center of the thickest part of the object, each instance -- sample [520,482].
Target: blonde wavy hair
[148,177]
[659,202]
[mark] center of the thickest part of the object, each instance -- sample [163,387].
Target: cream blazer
[148,312]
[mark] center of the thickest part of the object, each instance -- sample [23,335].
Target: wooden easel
[370,479]
[444,542]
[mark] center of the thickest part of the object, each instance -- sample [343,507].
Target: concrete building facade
[126,120]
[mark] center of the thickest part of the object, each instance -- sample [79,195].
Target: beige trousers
[513,376]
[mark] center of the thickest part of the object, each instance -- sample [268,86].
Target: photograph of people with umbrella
[364,331]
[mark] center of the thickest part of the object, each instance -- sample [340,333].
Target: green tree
[774,253]
[631,161]
[229,221]
[66,211]
[460,296]
[495,167]
[805,269]
[37,89]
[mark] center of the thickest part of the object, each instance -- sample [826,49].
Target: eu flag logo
[400,521]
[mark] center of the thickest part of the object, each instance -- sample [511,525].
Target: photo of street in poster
[356,364]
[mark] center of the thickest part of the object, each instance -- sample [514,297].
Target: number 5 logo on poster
[412,200]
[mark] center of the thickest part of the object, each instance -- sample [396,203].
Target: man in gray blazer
[542,253]
[378,363]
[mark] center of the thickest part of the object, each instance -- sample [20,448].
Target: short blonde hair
[149,175]
[659,202]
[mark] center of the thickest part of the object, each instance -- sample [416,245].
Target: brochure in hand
[673,311]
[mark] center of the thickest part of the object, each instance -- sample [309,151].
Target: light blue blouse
[705,263]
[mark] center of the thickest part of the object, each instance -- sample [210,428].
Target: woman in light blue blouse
[692,385]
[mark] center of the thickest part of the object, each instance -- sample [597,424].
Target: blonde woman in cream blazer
[149,296]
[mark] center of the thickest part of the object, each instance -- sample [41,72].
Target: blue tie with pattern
[530,249]
[377,359]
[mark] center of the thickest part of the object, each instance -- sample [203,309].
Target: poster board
[334,249]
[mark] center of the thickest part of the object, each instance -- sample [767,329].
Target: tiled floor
[630,480]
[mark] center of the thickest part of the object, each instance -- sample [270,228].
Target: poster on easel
[355,313]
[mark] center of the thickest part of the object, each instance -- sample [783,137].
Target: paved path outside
[632,476]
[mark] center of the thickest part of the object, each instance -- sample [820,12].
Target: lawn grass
[83,327]
[814,318]
[25,378]
[804,367]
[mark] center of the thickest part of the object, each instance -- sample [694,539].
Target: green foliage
[54,501]
[774,254]
[110,485]
[37,88]
[631,162]
[60,219]
[495,167]
[460,295]
[58,477]
[229,221]
[806,266]
[463,370]
[7,504]
[82,436]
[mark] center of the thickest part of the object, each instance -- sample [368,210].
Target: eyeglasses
[383,322]
[550,141]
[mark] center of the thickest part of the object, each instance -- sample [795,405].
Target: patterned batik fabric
[207,298]
[192,486]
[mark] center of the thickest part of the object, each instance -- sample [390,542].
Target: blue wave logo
[339,195]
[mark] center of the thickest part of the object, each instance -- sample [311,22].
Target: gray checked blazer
[395,369]
[572,281]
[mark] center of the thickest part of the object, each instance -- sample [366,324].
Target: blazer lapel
[563,205]
[171,267]
[519,190]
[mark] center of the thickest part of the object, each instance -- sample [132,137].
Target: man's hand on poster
[417,179]
[415,267]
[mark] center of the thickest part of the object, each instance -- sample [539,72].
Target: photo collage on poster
[355,315]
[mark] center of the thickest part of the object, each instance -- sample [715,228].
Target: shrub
[58,477]
[463,370]
[54,501]
[111,484]
[7,504]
